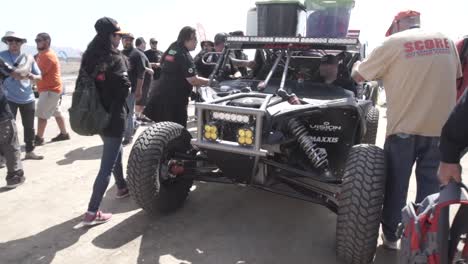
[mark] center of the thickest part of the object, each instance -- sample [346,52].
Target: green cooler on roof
[328,18]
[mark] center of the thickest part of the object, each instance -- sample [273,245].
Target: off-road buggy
[278,130]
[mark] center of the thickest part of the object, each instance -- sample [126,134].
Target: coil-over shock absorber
[317,157]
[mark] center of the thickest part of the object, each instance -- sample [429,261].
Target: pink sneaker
[90,219]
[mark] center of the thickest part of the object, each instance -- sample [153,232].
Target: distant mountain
[62,52]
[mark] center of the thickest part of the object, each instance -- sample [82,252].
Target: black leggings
[27,112]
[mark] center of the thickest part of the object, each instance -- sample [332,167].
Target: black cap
[329,59]
[107,26]
[220,38]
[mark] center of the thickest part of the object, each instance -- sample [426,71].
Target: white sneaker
[389,244]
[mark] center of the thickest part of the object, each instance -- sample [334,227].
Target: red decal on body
[101,77]
[169,58]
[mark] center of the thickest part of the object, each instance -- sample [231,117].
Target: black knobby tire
[372,126]
[152,149]
[360,205]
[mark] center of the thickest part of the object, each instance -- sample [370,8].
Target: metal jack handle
[220,62]
[291,98]
[285,72]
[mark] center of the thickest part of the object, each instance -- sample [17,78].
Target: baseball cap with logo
[409,14]
[107,26]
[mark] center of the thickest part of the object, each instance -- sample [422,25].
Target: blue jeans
[111,161]
[128,135]
[402,151]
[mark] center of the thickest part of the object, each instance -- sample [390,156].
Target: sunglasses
[14,40]
[38,40]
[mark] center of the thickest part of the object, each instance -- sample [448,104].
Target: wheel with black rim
[360,205]
[151,182]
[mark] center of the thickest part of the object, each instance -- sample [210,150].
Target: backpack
[87,114]
[426,235]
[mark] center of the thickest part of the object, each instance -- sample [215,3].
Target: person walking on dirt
[417,68]
[50,90]
[141,103]
[9,145]
[136,72]
[105,61]
[19,93]
[169,100]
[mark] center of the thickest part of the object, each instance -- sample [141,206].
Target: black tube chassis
[256,164]
[279,133]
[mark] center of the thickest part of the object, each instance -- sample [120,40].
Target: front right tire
[360,205]
[148,165]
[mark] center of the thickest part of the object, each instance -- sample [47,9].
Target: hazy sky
[70,23]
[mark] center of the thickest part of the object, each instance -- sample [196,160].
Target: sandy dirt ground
[220,224]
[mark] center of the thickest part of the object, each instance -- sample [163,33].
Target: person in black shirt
[137,70]
[103,59]
[232,65]
[239,54]
[178,76]
[140,104]
[154,56]
[9,144]
[204,70]
[454,142]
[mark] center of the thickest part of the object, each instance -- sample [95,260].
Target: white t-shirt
[419,70]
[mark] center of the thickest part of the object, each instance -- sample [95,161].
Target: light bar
[288,40]
[343,41]
[244,119]
[262,39]
[295,40]
[314,40]
[238,39]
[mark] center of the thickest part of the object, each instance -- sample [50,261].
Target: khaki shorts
[48,105]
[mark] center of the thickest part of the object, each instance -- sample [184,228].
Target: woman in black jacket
[103,60]
[169,98]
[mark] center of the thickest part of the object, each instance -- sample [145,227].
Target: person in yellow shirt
[50,90]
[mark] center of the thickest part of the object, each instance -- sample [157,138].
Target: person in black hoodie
[104,59]
[169,99]
[453,142]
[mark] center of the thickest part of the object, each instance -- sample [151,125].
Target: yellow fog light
[211,132]
[245,136]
